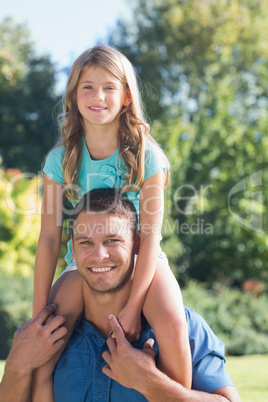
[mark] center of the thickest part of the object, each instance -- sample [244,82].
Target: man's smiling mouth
[102,269]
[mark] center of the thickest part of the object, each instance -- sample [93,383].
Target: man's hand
[136,369]
[126,364]
[37,341]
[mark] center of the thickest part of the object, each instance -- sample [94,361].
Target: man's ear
[137,244]
[128,97]
[72,240]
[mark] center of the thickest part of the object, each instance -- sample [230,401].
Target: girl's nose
[99,94]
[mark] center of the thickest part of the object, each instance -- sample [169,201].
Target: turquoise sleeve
[52,166]
[154,160]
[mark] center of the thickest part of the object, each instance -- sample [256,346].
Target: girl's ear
[128,98]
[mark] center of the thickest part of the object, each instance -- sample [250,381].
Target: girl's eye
[87,87]
[110,88]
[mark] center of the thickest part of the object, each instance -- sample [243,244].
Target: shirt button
[64,361]
[100,395]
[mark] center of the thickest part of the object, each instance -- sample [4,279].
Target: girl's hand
[130,321]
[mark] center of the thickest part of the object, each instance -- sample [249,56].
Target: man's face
[103,247]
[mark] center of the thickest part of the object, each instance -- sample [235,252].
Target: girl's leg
[163,309]
[67,294]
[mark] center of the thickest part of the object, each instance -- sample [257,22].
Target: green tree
[27,100]
[184,49]
[239,319]
[215,227]
[20,208]
[203,64]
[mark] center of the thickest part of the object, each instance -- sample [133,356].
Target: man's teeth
[104,269]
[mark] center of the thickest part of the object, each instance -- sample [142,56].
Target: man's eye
[85,242]
[112,241]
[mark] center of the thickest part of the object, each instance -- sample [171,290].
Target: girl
[106,143]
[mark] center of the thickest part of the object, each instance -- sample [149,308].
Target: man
[103,239]
[34,344]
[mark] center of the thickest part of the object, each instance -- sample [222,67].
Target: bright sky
[65,28]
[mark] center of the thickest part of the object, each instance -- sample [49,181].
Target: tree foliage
[20,208]
[237,318]
[203,64]
[221,231]
[189,51]
[27,100]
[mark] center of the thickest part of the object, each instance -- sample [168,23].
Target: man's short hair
[107,201]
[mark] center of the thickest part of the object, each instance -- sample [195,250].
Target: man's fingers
[22,328]
[111,343]
[107,357]
[117,329]
[107,370]
[58,345]
[58,334]
[117,336]
[40,318]
[56,322]
[44,314]
[49,318]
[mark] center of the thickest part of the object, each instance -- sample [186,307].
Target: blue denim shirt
[78,375]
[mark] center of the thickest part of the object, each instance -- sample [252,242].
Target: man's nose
[99,252]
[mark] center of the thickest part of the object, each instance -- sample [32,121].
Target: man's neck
[99,306]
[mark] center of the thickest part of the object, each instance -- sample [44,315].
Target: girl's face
[100,98]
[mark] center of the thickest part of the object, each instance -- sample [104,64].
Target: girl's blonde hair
[133,130]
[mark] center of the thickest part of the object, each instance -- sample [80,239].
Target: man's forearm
[15,385]
[157,387]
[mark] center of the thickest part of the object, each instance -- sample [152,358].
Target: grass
[249,374]
[2,365]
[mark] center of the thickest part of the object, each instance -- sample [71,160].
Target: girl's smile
[97,108]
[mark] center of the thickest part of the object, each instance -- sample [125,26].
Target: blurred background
[203,75]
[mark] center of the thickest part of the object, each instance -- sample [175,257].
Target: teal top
[103,173]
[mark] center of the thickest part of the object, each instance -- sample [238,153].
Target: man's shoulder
[202,339]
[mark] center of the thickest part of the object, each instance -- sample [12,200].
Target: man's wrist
[158,387]
[16,368]
[149,384]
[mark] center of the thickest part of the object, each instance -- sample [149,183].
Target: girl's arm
[157,291]
[151,216]
[49,243]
